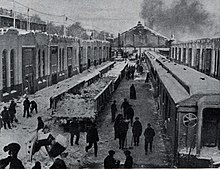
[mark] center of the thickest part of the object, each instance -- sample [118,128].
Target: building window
[60,55]
[4,71]
[39,63]
[12,65]
[43,62]
[62,59]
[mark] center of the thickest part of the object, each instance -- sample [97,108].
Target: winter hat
[111,152]
[127,152]
[12,148]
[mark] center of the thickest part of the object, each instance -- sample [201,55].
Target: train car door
[28,69]
[210,128]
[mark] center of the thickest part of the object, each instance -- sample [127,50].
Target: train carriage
[190,106]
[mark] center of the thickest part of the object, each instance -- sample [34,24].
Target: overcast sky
[110,15]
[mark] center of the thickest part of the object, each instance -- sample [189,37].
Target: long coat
[92,135]
[110,162]
[116,125]
[149,134]
[132,92]
[137,128]
[128,162]
[130,112]
[74,127]
[5,115]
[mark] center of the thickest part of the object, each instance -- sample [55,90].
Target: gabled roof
[139,25]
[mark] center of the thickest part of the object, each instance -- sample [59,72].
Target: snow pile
[81,106]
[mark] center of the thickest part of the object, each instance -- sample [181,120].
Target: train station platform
[145,108]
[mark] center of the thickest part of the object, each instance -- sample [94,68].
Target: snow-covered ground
[24,130]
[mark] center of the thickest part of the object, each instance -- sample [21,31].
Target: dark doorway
[89,63]
[54,78]
[211,127]
[70,71]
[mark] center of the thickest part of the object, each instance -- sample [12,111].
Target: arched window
[63,59]
[43,62]
[60,62]
[12,68]
[4,71]
[39,63]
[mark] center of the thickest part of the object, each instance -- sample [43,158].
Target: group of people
[130,72]
[121,124]
[12,161]
[29,106]
[111,162]
[8,114]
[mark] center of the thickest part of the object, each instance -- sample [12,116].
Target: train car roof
[185,78]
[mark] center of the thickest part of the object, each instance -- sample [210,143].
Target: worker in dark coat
[132,92]
[15,163]
[136,130]
[12,111]
[40,124]
[149,135]
[130,113]
[129,160]
[74,130]
[113,110]
[33,105]
[125,105]
[37,165]
[122,129]
[92,138]
[58,164]
[26,105]
[6,118]
[110,162]
[116,125]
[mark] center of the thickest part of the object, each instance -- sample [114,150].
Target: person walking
[130,113]
[122,129]
[116,125]
[149,135]
[136,130]
[40,124]
[6,118]
[129,160]
[26,105]
[113,110]
[74,130]
[92,138]
[110,162]
[125,105]
[33,106]
[132,92]
[12,111]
